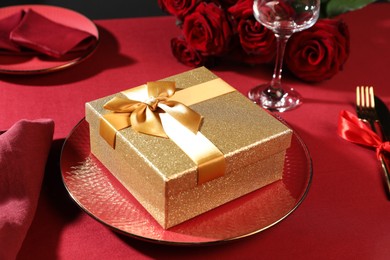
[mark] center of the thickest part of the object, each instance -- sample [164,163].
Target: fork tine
[363,95]
[358,97]
[372,97]
[367,97]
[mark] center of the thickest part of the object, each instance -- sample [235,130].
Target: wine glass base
[275,100]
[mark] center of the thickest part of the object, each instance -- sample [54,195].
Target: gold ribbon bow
[144,116]
[151,111]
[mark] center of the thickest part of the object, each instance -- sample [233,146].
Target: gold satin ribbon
[143,115]
[157,109]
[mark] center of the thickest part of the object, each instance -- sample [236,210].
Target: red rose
[185,54]
[257,41]
[178,8]
[207,29]
[319,52]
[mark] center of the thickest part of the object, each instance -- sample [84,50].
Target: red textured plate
[26,64]
[99,194]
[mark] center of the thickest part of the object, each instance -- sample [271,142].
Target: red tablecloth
[346,214]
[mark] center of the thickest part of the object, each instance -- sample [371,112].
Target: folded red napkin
[6,26]
[29,30]
[23,153]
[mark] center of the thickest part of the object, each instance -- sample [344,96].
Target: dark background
[100,9]
[104,9]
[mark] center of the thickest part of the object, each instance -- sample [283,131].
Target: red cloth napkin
[28,30]
[6,26]
[23,153]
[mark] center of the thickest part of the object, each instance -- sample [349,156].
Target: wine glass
[283,17]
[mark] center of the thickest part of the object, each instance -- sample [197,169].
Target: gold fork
[365,109]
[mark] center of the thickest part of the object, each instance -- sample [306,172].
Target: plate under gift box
[164,177]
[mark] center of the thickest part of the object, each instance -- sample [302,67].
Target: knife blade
[383,114]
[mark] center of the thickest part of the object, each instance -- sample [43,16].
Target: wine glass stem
[281,41]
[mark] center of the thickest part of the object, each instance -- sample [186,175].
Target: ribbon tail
[156,88]
[208,158]
[185,115]
[111,123]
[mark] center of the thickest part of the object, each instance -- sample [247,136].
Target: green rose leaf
[337,7]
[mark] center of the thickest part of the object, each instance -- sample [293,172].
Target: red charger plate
[100,195]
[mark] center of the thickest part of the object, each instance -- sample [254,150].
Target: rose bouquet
[215,30]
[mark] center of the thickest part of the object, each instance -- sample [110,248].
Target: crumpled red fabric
[27,31]
[24,149]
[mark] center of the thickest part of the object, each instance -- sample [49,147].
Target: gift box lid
[241,130]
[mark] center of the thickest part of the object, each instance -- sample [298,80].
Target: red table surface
[346,214]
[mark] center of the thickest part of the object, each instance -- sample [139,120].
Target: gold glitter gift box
[164,179]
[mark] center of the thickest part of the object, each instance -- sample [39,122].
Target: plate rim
[308,161]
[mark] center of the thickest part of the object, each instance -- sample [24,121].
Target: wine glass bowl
[283,17]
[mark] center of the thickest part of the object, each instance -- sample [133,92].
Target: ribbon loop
[161,88]
[122,105]
[144,114]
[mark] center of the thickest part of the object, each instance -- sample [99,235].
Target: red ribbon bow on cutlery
[352,129]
